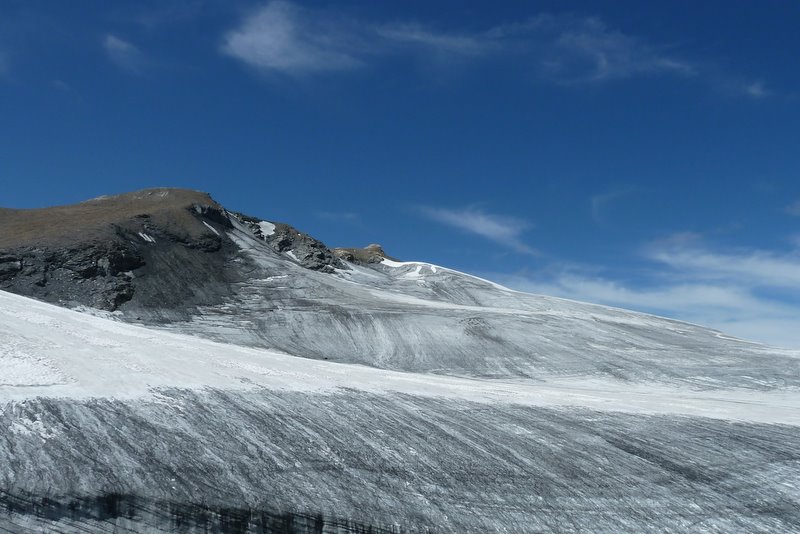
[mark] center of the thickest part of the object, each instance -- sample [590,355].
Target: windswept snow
[54,352]
[434,269]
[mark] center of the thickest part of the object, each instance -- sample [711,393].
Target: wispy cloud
[793,209]
[61,85]
[286,38]
[729,308]
[701,301]
[600,201]
[753,294]
[123,54]
[737,86]
[571,50]
[501,229]
[756,89]
[283,37]
[414,34]
[747,268]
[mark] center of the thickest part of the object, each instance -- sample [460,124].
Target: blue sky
[638,154]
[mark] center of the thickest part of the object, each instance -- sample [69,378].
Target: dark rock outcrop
[160,247]
[309,252]
[160,251]
[370,254]
[9,267]
[94,274]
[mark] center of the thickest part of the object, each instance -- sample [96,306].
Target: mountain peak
[96,218]
[100,251]
[154,249]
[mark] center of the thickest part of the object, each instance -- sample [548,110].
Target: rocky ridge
[371,254]
[306,250]
[163,248]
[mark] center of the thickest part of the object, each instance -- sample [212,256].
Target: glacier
[291,391]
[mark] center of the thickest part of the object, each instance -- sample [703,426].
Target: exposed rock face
[311,253]
[97,253]
[363,256]
[164,249]
[307,251]
[95,274]
[9,267]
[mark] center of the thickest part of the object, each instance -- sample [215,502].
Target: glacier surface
[394,397]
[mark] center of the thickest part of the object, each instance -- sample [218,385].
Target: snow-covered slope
[244,377]
[419,317]
[111,426]
[50,351]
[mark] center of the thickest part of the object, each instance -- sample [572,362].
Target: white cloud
[588,51]
[123,54]
[282,37]
[753,268]
[285,38]
[756,90]
[600,202]
[690,300]
[794,209]
[571,50]
[451,44]
[504,230]
[736,86]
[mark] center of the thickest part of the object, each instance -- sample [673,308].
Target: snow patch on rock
[267,228]
[211,228]
[147,238]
